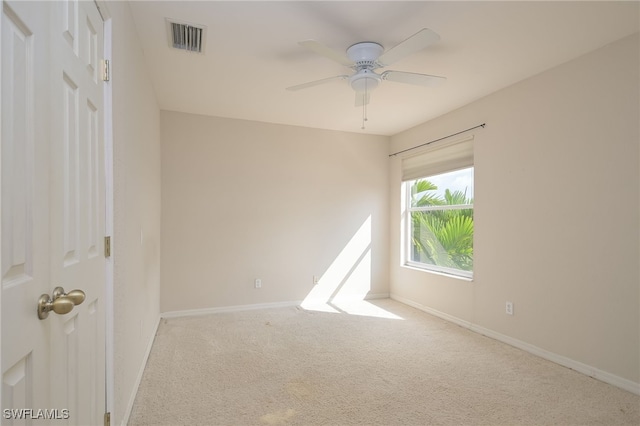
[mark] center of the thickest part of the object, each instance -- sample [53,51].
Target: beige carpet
[297,367]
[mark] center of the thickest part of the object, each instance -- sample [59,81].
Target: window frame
[408,229]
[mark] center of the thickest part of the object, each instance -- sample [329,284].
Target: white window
[440,222]
[438,196]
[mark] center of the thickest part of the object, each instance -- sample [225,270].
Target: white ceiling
[252,55]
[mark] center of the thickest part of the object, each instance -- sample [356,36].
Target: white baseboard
[588,370]
[136,385]
[236,308]
[374,296]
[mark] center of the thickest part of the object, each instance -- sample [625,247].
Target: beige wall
[243,200]
[136,237]
[556,212]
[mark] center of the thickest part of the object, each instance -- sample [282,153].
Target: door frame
[108,175]
[1,14]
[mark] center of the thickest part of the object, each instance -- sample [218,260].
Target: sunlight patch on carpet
[278,417]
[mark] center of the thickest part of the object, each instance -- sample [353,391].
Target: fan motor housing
[365,53]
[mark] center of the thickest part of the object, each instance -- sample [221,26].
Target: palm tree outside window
[440,222]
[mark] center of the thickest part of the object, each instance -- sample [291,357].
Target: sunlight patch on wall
[345,284]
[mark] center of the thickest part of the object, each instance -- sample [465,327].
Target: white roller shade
[439,158]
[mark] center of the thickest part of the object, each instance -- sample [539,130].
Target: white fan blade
[416,42]
[327,52]
[413,78]
[316,82]
[362,99]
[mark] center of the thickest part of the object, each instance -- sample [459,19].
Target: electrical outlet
[258,283]
[509,308]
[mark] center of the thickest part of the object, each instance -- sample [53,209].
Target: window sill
[444,274]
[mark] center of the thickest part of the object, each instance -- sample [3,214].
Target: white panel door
[24,205]
[52,209]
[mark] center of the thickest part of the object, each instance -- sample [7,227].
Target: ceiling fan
[366,57]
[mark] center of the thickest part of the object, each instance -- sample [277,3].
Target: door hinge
[107,419]
[107,246]
[106,70]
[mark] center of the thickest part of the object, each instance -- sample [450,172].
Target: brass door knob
[60,302]
[76,296]
[61,305]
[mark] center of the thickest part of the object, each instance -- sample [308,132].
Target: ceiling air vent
[186,36]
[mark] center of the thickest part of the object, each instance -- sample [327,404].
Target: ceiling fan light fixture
[364,80]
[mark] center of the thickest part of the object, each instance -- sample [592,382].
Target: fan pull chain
[364,105]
